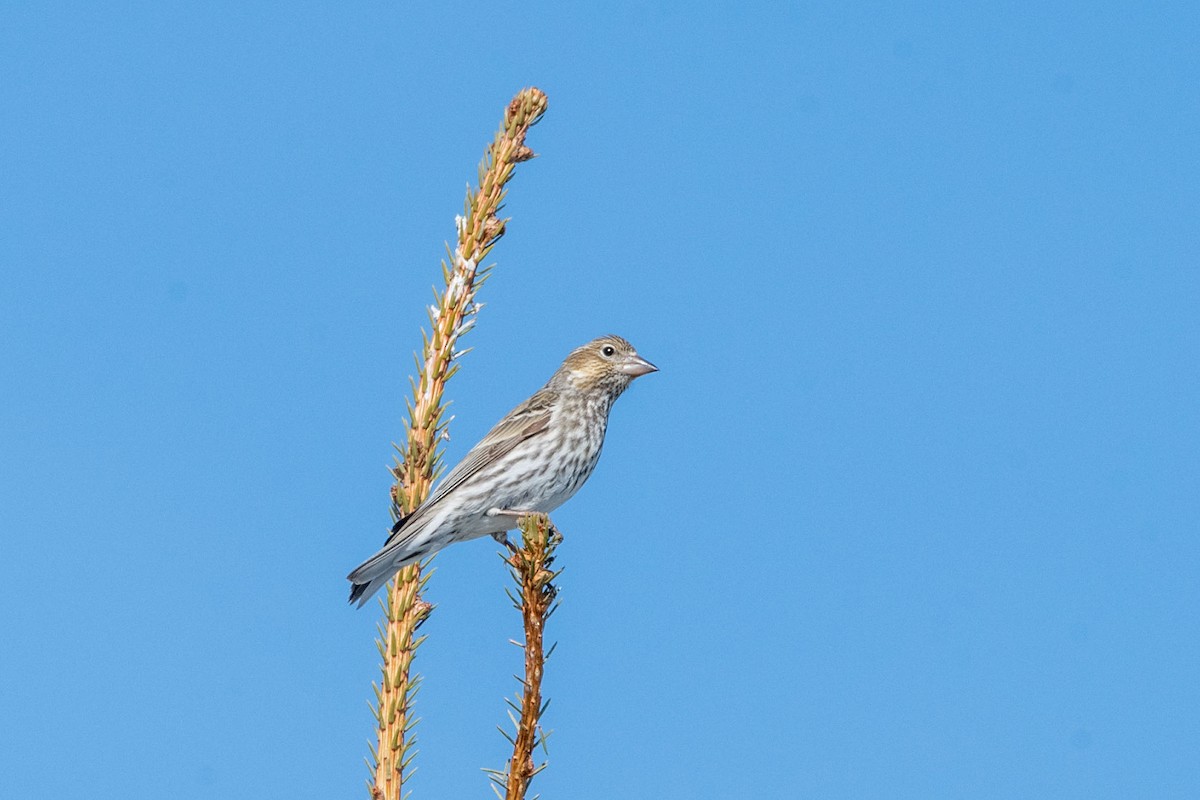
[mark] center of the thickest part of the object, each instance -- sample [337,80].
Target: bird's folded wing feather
[524,422]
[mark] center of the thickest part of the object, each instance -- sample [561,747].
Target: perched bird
[534,460]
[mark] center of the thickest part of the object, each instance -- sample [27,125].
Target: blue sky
[910,511]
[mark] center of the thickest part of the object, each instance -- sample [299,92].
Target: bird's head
[608,364]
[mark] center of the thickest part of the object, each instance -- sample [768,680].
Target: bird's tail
[400,550]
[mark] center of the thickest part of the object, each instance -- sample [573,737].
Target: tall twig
[450,317]
[532,570]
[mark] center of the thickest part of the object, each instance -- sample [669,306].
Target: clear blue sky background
[911,510]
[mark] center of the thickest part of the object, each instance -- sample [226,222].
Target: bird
[532,461]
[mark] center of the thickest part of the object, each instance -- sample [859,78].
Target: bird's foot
[502,538]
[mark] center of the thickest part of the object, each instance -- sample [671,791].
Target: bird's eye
[608,351]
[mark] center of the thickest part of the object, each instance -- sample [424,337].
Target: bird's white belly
[548,491]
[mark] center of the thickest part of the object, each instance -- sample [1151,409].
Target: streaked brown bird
[534,460]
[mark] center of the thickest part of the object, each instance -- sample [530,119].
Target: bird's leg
[502,538]
[515,513]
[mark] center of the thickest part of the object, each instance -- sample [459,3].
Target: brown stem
[478,231]
[532,570]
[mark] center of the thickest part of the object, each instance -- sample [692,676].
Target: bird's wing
[527,420]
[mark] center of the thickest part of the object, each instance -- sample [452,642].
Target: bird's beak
[634,365]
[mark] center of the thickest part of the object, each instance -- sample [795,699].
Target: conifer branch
[451,316]
[536,599]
